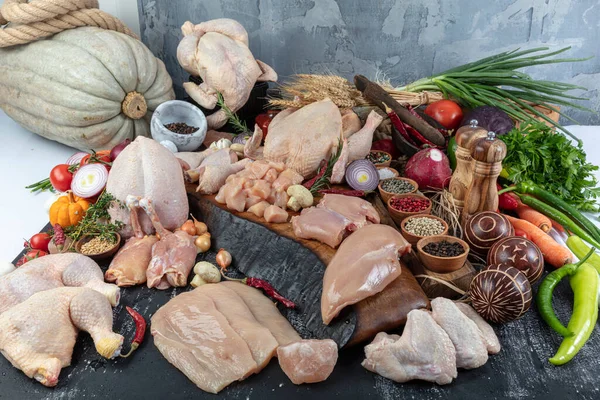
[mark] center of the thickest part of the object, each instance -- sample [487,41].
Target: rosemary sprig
[234,120]
[97,220]
[324,181]
[488,81]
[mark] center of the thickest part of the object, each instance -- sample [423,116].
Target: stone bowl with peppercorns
[416,227]
[446,247]
[395,186]
[181,116]
[401,206]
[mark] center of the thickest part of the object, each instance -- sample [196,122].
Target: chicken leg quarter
[38,335]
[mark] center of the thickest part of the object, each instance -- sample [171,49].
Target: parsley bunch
[538,155]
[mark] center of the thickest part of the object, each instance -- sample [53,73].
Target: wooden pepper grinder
[482,195]
[462,177]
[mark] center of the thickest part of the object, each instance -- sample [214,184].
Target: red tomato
[61,177]
[30,255]
[263,120]
[102,155]
[40,241]
[446,112]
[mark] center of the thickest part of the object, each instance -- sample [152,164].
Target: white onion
[89,180]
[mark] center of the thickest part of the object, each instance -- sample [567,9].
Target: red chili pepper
[507,200]
[345,192]
[410,108]
[269,290]
[308,184]
[398,124]
[140,330]
[412,131]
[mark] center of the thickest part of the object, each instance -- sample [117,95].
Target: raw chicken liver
[145,168]
[471,351]
[38,335]
[365,263]
[423,352]
[53,271]
[308,361]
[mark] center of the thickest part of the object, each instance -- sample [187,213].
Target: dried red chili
[140,330]
[399,125]
[345,192]
[410,108]
[320,172]
[269,290]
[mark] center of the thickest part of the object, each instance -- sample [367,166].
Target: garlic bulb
[221,144]
[207,271]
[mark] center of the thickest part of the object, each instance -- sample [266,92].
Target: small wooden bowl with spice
[416,227]
[401,206]
[390,187]
[98,248]
[379,158]
[441,253]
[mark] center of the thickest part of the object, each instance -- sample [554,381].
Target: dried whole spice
[444,248]
[96,245]
[181,128]
[424,226]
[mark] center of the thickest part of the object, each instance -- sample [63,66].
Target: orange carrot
[535,217]
[554,254]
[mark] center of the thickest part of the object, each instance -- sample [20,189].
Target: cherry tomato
[40,241]
[102,155]
[263,120]
[30,255]
[446,112]
[61,177]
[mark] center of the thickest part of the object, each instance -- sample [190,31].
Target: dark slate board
[520,370]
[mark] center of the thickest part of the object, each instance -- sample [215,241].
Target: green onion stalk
[494,81]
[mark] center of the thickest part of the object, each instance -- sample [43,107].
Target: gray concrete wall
[401,40]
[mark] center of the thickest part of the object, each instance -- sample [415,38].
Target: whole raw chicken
[38,335]
[217,51]
[53,271]
[145,168]
[302,138]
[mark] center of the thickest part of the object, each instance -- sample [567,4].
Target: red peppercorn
[409,204]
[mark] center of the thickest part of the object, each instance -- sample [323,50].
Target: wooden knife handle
[378,95]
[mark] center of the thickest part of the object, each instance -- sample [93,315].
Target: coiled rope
[23,22]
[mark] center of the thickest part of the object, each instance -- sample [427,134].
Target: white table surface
[27,158]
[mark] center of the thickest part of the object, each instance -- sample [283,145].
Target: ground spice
[96,246]
[397,186]
[444,248]
[409,204]
[424,226]
[378,157]
[181,127]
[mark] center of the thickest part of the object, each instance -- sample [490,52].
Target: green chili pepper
[559,217]
[584,283]
[544,296]
[560,204]
[580,249]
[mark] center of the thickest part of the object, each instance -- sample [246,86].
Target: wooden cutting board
[382,312]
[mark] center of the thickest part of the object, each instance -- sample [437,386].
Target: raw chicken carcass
[471,350]
[38,335]
[173,256]
[423,352]
[145,168]
[129,265]
[308,361]
[54,271]
[360,212]
[365,263]
[323,225]
[487,332]
[217,51]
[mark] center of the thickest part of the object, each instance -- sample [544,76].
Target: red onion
[240,139]
[362,175]
[76,158]
[118,149]
[430,168]
[89,180]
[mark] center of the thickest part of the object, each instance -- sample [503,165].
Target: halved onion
[240,139]
[76,158]
[362,175]
[89,180]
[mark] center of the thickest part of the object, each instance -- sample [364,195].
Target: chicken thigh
[217,51]
[173,256]
[129,265]
[53,271]
[38,335]
[423,352]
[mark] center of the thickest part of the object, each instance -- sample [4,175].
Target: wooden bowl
[387,195]
[414,239]
[385,164]
[100,256]
[442,265]
[394,171]
[399,216]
